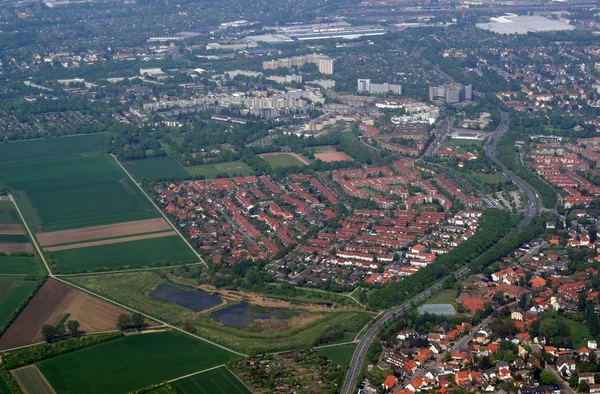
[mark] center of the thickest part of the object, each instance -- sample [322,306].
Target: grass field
[210,171]
[3,387]
[215,381]
[14,238]
[74,192]
[8,213]
[465,144]
[155,168]
[447,296]
[301,330]
[141,253]
[56,147]
[130,363]
[32,380]
[13,293]
[283,161]
[340,355]
[17,265]
[579,333]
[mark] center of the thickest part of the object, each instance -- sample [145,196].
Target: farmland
[209,171]
[132,362]
[13,294]
[45,149]
[21,265]
[278,160]
[155,168]
[340,355]
[32,381]
[73,192]
[50,304]
[8,213]
[215,381]
[140,253]
[301,328]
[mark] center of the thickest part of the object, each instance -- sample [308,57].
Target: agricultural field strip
[39,383]
[101,232]
[195,373]
[240,380]
[11,229]
[111,241]
[159,210]
[129,270]
[149,317]
[33,240]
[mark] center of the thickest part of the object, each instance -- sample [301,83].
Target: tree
[547,378]
[48,332]
[123,322]
[73,327]
[137,320]
[584,387]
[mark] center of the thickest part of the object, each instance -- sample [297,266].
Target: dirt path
[111,241]
[99,232]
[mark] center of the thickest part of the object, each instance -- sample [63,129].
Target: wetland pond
[242,314]
[194,299]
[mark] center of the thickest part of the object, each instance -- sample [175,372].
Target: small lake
[194,299]
[241,315]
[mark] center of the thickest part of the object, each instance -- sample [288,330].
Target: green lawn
[131,363]
[283,160]
[55,147]
[14,238]
[447,296]
[75,191]
[141,253]
[216,381]
[155,168]
[18,265]
[340,355]
[579,333]
[8,213]
[210,171]
[13,293]
[465,144]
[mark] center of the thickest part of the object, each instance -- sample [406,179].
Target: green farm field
[155,168]
[340,355]
[131,363]
[3,387]
[21,265]
[13,293]
[14,238]
[215,381]
[141,253]
[8,213]
[74,192]
[48,148]
[301,330]
[210,171]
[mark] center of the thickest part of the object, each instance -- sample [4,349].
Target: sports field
[141,253]
[277,160]
[215,381]
[74,192]
[340,355]
[131,363]
[155,168]
[210,171]
[13,293]
[21,265]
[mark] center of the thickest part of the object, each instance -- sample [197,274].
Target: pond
[240,315]
[194,299]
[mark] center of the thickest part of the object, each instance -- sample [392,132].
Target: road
[440,135]
[532,208]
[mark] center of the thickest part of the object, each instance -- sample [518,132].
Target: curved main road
[533,208]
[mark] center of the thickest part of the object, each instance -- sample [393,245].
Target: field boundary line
[159,210]
[196,373]
[240,380]
[336,344]
[33,239]
[149,317]
[113,272]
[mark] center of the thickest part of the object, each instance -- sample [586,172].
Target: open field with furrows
[112,256]
[215,381]
[49,306]
[9,216]
[340,355]
[14,292]
[210,171]
[55,147]
[74,192]
[131,363]
[21,265]
[300,327]
[17,247]
[31,380]
[279,159]
[103,232]
[155,168]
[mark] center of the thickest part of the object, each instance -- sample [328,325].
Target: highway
[532,208]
